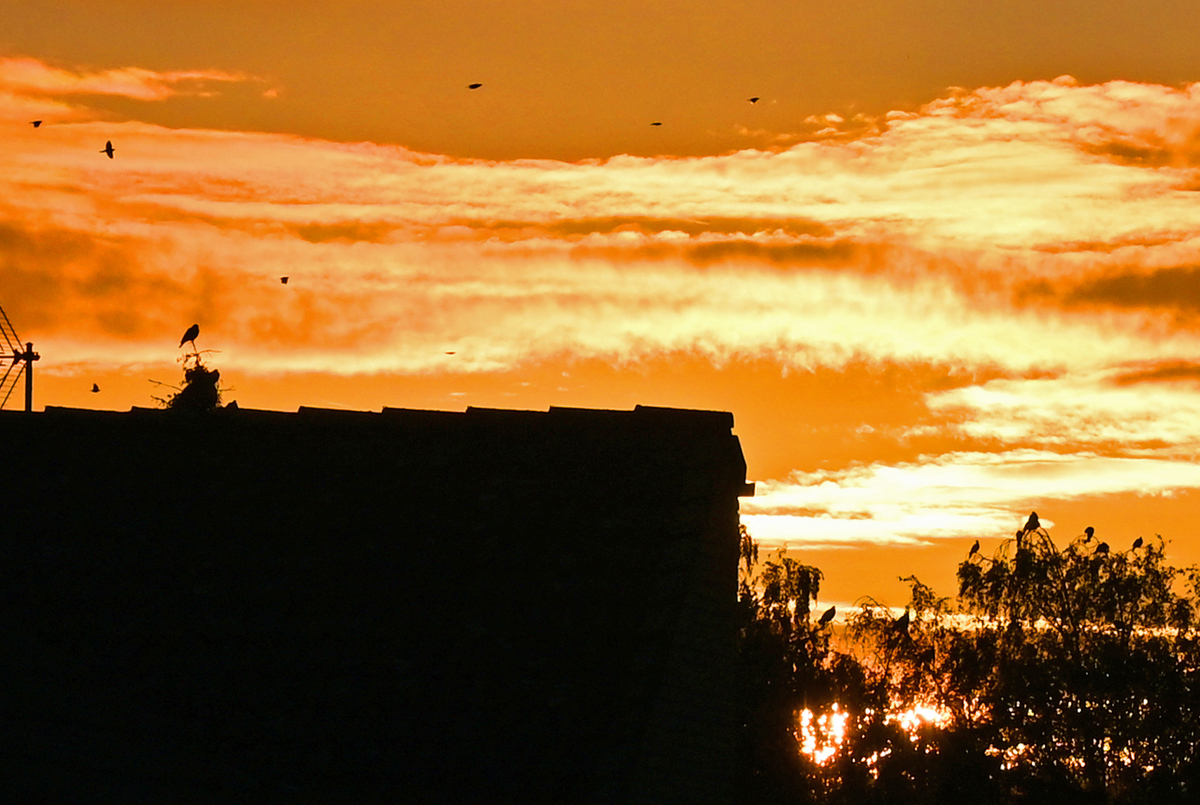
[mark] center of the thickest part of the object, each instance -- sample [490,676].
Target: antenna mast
[22,360]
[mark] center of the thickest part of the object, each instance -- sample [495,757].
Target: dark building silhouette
[405,606]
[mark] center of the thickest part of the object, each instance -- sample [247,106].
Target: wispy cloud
[918,239]
[32,77]
[953,495]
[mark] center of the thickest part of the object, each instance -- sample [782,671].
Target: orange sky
[943,272]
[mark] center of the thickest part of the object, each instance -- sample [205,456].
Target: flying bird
[107,149]
[974,549]
[1090,532]
[449,353]
[190,335]
[474,86]
[95,388]
[1137,543]
[1102,548]
[754,99]
[827,616]
[36,123]
[656,123]
[283,280]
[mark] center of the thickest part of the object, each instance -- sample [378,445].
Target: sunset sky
[946,270]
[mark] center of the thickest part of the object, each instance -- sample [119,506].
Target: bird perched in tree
[827,616]
[1032,523]
[1137,543]
[107,149]
[974,549]
[474,86]
[36,123]
[95,388]
[1102,548]
[898,630]
[1089,532]
[754,99]
[190,335]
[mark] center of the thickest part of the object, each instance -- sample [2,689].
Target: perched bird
[754,99]
[107,149]
[1102,548]
[474,86]
[656,123]
[1137,543]
[283,280]
[1090,532]
[901,624]
[1032,523]
[36,123]
[827,616]
[190,335]
[95,388]
[974,549]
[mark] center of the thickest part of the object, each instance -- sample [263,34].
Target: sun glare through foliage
[822,735]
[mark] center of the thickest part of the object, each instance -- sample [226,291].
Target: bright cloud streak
[953,495]
[30,77]
[824,252]
[1094,409]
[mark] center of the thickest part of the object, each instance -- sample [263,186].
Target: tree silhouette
[199,391]
[1085,666]
[1069,675]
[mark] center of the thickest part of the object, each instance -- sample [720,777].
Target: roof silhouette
[487,605]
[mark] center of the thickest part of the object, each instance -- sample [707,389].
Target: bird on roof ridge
[190,335]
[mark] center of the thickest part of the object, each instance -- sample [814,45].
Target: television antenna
[22,361]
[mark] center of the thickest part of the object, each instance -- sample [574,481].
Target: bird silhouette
[1032,523]
[1090,532]
[36,123]
[283,280]
[474,86]
[656,123]
[898,630]
[1137,543]
[190,335]
[827,616]
[974,549]
[1102,548]
[108,149]
[754,99]
[449,353]
[95,388]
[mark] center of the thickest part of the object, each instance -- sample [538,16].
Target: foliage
[200,391]
[1085,662]
[1071,674]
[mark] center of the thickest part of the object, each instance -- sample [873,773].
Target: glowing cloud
[31,77]
[953,495]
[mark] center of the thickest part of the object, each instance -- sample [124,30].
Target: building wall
[489,605]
